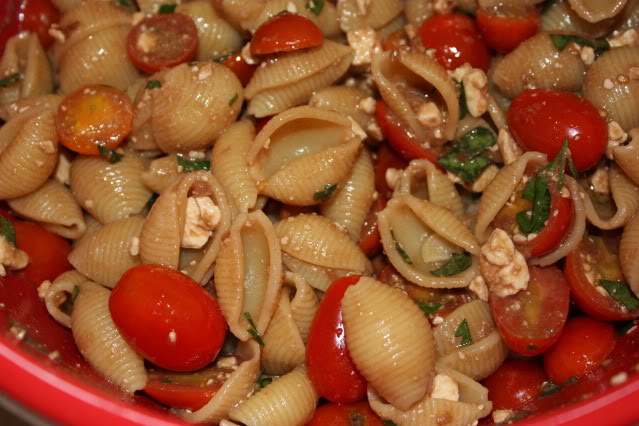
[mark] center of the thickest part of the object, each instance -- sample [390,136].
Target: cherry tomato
[600,258]
[541,120]
[94,115]
[185,390]
[456,41]
[503,32]
[330,367]
[240,68]
[284,33]
[531,320]
[514,383]
[370,240]
[35,16]
[47,252]
[386,159]
[398,137]
[359,413]
[162,41]
[167,317]
[584,344]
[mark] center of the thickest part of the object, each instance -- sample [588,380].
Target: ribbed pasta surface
[626,196]
[374,14]
[58,293]
[24,53]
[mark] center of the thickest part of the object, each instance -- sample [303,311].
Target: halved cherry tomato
[456,40]
[600,258]
[94,115]
[284,33]
[163,314]
[398,137]
[330,367]
[531,320]
[35,16]
[386,159]
[584,344]
[503,32]
[185,390]
[240,68]
[541,120]
[47,252]
[359,413]
[370,240]
[514,383]
[162,41]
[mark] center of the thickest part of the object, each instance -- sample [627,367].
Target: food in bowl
[289,213]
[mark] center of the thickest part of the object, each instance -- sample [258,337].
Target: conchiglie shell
[289,401]
[248,273]
[195,103]
[100,342]
[480,323]
[152,6]
[318,241]
[241,14]
[627,156]
[423,180]
[628,251]
[351,202]
[596,10]
[417,11]
[216,37]
[106,253]
[161,173]
[317,277]
[10,110]
[408,221]
[389,340]
[161,236]
[479,360]
[235,389]
[109,191]
[621,102]
[538,63]
[58,292]
[628,18]
[304,303]
[300,151]
[290,79]
[52,205]
[561,17]
[229,166]
[415,69]
[26,140]
[626,197]
[326,20]
[376,13]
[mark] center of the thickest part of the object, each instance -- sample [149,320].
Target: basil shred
[466,159]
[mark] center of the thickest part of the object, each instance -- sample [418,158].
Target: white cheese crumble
[619,378]
[503,267]
[444,387]
[392,176]
[202,216]
[367,105]
[459,73]
[478,286]
[172,336]
[600,180]
[134,246]
[57,33]
[429,115]
[43,288]
[509,149]
[11,257]
[476,89]
[438,320]
[627,38]
[616,136]
[501,416]
[365,43]
[245,53]
[146,41]
[357,129]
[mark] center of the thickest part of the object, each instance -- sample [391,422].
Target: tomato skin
[181,391]
[47,252]
[504,33]
[386,159]
[329,364]
[555,230]
[359,413]
[584,344]
[531,320]
[240,68]
[35,16]
[370,239]
[285,33]
[540,120]
[456,40]
[514,383]
[151,301]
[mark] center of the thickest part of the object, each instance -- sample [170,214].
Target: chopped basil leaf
[109,154]
[531,347]
[463,331]
[152,200]
[167,381]
[153,84]
[465,159]
[533,220]
[458,262]
[315,6]
[262,382]
[467,170]
[548,387]
[405,257]
[427,307]
[561,41]
[620,291]
[389,423]
[622,328]
[76,291]
[222,58]
[463,106]
[233,99]
[126,3]
[253,330]
[167,8]
[325,193]
[28,339]
[7,230]
[9,80]
[191,164]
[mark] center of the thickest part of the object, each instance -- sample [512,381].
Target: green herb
[152,200]
[76,291]
[191,63]
[253,330]
[109,154]
[153,84]
[325,193]
[222,58]
[620,291]
[9,80]
[463,106]
[191,164]
[167,8]
[405,257]
[622,328]
[7,230]
[315,6]
[463,331]
[167,380]
[264,382]
[26,337]
[531,347]
[458,262]
[233,99]
[548,387]
[427,307]
[126,3]
[561,41]
[533,220]
[389,423]
[465,159]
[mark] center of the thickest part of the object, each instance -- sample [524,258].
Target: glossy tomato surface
[359,413]
[185,390]
[503,32]
[284,33]
[164,315]
[515,382]
[35,16]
